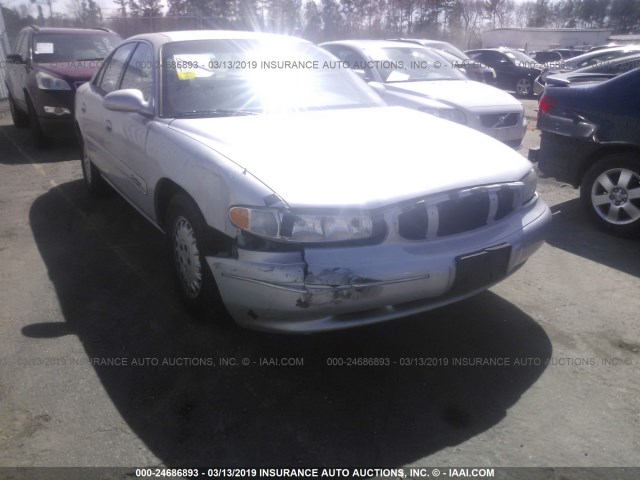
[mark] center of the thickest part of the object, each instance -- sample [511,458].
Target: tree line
[460,21]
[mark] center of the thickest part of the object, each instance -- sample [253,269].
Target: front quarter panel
[211,179]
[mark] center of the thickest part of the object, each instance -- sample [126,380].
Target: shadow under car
[111,275]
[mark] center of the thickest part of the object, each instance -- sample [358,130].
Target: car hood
[464,93]
[367,157]
[80,70]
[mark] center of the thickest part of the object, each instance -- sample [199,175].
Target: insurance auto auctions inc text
[375,472]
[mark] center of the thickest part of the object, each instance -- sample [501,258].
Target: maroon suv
[46,68]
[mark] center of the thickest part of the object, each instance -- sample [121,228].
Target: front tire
[524,87]
[20,119]
[38,136]
[610,192]
[185,229]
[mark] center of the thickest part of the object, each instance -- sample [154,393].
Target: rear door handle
[107,125]
[83,107]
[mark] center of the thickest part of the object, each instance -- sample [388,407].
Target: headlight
[530,181]
[49,82]
[301,227]
[452,114]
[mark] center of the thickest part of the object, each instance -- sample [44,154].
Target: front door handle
[83,107]
[135,180]
[107,125]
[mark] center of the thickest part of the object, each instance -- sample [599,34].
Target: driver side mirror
[126,100]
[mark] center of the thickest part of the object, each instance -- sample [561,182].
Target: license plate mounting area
[480,269]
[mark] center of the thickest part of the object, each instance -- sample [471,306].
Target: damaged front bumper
[331,288]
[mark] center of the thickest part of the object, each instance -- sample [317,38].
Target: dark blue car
[591,139]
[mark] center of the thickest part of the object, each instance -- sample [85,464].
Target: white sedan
[289,191]
[413,76]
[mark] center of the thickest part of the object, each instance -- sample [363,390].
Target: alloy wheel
[615,196]
[523,87]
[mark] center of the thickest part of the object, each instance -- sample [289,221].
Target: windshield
[65,47]
[616,66]
[598,57]
[241,77]
[411,64]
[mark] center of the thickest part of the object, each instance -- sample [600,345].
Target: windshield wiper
[216,113]
[89,59]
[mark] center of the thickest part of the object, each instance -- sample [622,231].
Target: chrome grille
[458,212]
[500,120]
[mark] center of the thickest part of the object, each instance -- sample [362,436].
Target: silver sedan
[288,189]
[413,75]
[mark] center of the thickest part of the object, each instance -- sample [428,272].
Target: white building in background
[625,39]
[531,39]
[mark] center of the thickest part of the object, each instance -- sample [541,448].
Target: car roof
[71,31]
[498,49]
[186,35]
[372,43]
[421,41]
[597,53]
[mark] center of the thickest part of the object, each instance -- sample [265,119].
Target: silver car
[287,187]
[413,74]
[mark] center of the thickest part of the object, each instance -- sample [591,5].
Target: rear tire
[93,181]
[610,192]
[20,118]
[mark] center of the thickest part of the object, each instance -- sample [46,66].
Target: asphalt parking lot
[101,366]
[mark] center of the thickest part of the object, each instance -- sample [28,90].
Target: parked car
[43,73]
[598,72]
[411,74]
[437,44]
[589,59]
[544,56]
[286,182]
[602,47]
[515,71]
[567,53]
[472,69]
[591,139]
